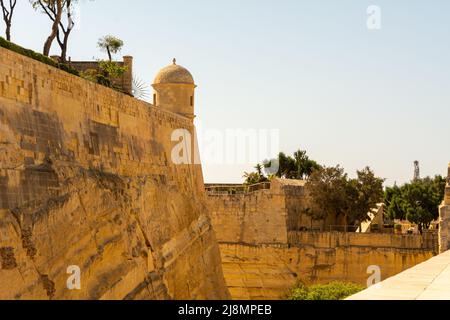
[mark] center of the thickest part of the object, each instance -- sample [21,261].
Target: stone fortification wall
[264,253]
[86,180]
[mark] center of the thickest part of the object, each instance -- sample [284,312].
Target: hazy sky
[312,69]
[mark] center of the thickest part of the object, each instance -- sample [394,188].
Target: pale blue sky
[312,69]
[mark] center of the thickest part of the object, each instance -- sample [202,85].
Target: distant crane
[416,171]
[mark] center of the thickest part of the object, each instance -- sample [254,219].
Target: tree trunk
[64,53]
[70,24]
[8,31]
[8,16]
[55,26]
[64,47]
[109,53]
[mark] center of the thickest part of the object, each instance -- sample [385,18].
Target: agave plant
[140,90]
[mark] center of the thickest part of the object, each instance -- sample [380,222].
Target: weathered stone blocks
[86,180]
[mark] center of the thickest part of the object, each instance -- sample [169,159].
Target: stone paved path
[429,280]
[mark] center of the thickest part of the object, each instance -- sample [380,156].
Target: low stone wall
[428,241]
[270,271]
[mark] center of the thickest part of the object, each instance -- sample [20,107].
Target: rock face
[264,253]
[87,181]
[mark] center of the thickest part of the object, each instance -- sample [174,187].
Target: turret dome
[174,74]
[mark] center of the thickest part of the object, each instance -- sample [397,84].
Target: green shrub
[300,292]
[332,291]
[89,74]
[105,74]
[112,69]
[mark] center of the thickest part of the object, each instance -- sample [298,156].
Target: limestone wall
[260,217]
[264,254]
[86,179]
[270,271]
[249,218]
[444,223]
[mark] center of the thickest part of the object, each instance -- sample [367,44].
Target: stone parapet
[331,240]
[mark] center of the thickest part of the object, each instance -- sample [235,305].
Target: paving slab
[429,280]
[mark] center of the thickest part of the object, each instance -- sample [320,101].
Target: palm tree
[297,167]
[259,169]
[251,178]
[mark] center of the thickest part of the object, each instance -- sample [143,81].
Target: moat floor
[429,280]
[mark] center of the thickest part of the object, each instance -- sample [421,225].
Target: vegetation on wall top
[36,56]
[417,201]
[331,193]
[108,70]
[61,14]
[299,166]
